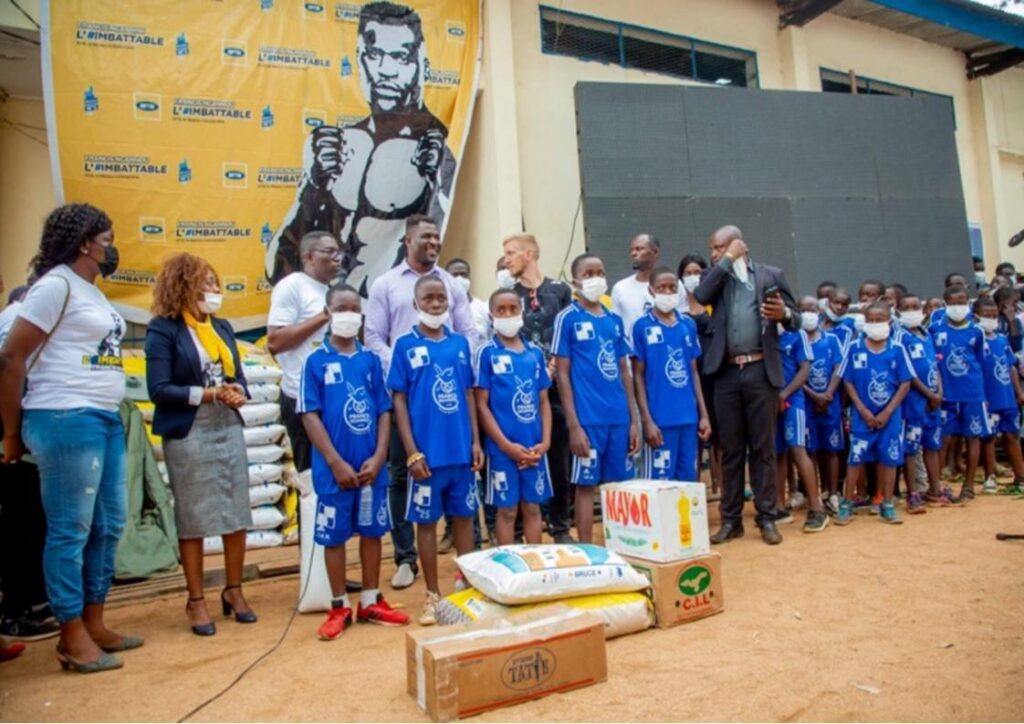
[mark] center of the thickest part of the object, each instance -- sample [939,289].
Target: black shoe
[727,532]
[26,628]
[201,629]
[770,533]
[565,539]
[227,609]
[784,515]
[817,521]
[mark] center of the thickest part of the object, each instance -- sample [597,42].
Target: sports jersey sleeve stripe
[556,335]
[477,360]
[808,351]
[308,400]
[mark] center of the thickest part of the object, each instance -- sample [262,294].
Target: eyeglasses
[333,253]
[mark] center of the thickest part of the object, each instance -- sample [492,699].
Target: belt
[745,359]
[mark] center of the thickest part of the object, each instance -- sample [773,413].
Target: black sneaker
[817,521]
[565,539]
[784,515]
[23,628]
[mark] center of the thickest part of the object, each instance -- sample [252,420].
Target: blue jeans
[81,458]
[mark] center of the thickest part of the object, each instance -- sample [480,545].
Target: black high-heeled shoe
[202,629]
[240,616]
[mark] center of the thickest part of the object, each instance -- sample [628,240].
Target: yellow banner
[229,129]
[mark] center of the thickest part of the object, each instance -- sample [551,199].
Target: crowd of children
[896,383]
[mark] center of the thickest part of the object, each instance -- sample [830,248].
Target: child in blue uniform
[431,381]
[512,403]
[347,415]
[922,413]
[668,391]
[877,374]
[960,346]
[1002,392]
[597,391]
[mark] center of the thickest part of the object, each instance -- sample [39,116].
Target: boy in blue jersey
[1002,392]
[431,381]
[922,409]
[591,358]
[347,415]
[960,346]
[791,430]
[823,401]
[877,374]
[668,392]
[835,320]
[512,385]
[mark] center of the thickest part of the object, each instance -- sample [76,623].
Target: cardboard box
[458,671]
[657,520]
[684,590]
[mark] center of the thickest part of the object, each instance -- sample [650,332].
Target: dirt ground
[928,615]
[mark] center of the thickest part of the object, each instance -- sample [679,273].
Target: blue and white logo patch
[332,373]
[501,364]
[584,331]
[418,357]
[860,361]
[655,335]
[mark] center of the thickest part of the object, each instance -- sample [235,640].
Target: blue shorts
[825,432]
[507,484]
[883,446]
[966,419]
[1004,421]
[925,433]
[609,461]
[450,490]
[346,511]
[676,459]
[791,430]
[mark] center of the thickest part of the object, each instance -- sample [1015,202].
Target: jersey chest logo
[332,373]
[675,368]
[878,388]
[584,331]
[818,378]
[860,361]
[1001,370]
[357,410]
[501,364]
[524,405]
[655,335]
[444,391]
[606,361]
[418,357]
[956,362]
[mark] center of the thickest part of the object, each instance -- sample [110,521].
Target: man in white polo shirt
[296,325]
[631,296]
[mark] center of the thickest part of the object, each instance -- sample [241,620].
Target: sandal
[200,629]
[106,662]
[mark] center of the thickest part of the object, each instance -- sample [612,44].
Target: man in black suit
[743,356]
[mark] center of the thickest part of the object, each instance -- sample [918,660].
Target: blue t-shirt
[435,375]
[795,349]
[594,345]
[843,331]
[924,360]
[827,355]
[999,360]
[960,351]
[514,381]
[348,392]
[876,376]
[667,353]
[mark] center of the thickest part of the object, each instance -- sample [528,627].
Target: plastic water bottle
[366,505]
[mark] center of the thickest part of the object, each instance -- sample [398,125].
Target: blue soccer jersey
[827,356]
[795,349]
[348,392]
[921,351]
[514,381]
[594,345]
[876,376]
[435,375]
[960,351]
[999,360]
[667,353]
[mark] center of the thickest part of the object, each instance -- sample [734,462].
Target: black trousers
[560,520]
[746,407]
[301,450]
[22,536]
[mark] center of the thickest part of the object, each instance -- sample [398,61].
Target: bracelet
[414,458]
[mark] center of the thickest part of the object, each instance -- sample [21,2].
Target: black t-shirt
[540,307]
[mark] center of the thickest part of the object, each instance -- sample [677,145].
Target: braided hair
[66,228]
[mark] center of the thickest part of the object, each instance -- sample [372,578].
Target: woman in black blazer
[195,378]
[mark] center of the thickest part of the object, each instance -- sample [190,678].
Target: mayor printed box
[458,671]
[683,590]
[657,520]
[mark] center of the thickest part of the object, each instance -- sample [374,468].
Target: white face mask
[823,303]
[691,282]
[858,322]
[988,325]
[433,321]
[211,303]
[346,324]
[809,321]
[876,330]
[830,314]
[508,326]
[505,279]
[463,282]
[593,288]
[739,268]
[666,302]
[912,319]
[957,312]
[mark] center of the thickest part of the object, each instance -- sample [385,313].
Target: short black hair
[651,239]
[691,259]
[1006,265]
[1004,294]
[338,288]
[901,288]
[872,283]
[575,266]
[388,13]
[311,237]
[416,219]
[880,305]
[949,276]
[985,303]
[953,289]
[427,279]
[498,292]
[659,270]
[908,295]
[459,260]
[826,283]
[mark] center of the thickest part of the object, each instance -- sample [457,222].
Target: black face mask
[110,258]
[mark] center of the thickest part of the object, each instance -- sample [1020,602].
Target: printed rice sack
[314,587]
[264,473]
[264,392]
[263,434]
[259,374]
[253,539]
[260,413]
[265,494]
[533,573]
[622,613]
[302,482]
[262,454]
[290,510]
[266,517]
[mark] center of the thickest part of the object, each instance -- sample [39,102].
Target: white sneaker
[797,501]
[428,616]
[990,486]
[833,504]
[404,577]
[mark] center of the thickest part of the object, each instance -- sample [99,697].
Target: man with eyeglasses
[296,326]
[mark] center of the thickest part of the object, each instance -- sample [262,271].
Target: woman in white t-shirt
[66,344]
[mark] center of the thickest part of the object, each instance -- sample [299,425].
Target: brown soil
[928,613]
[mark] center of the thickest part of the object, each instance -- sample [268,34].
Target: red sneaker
[11,651]
[337,621]
[381,613]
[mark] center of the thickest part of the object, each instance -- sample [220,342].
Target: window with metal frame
[834,81]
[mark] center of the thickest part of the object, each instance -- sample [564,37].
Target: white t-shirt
[481,320]
[630,300]
[295,299]
[80,364]
[7,317]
